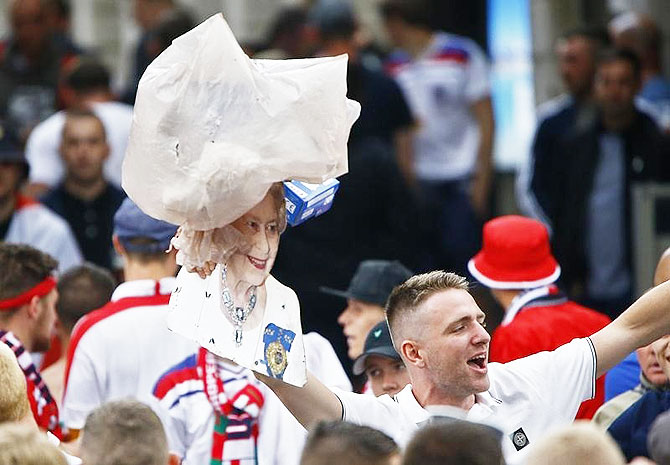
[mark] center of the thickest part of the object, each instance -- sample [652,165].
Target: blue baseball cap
[132,223]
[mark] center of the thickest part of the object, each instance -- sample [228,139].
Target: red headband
[40,290]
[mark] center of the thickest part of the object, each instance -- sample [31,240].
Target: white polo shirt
[527,398]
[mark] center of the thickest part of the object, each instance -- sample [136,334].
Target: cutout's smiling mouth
[259,264]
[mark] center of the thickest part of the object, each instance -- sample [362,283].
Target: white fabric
[215,129]
[440,93]
[536,393]
[281,437]
[39,227]
[71,459]
[123,355]
[196,312]
[43,145]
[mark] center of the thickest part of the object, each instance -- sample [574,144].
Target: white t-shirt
[121,349]
[43,145]
[440,86]
[36,225]
[527,398]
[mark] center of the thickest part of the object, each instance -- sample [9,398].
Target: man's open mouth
[478,361]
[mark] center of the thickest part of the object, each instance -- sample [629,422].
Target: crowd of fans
[88,359]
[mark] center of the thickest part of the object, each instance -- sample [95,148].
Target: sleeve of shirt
[562,378]
[83,391]
[366,410]
[323,363]
[43,158]
[478,83]
[66,248]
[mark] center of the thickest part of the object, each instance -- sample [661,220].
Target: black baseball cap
[11,150]
[377,342]
[373,281]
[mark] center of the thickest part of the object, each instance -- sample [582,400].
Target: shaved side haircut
[124,432]
[339,442]
[405,298]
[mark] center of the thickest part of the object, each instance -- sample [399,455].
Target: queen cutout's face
[260,226]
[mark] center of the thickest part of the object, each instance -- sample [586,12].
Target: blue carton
[305,200]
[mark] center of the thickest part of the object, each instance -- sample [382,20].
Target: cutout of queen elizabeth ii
[214,133]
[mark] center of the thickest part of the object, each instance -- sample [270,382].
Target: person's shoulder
[555,108]
[50,128]
[40,217]
[113,108]
[183,372]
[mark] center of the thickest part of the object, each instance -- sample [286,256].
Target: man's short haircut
[406,297]
[580,443]
[82,289]
[61,6]
[75,113]
[25,445]
[611,55]
[124,432]
[454,442]
[87,76]
[14,405]
[415,12]
[597,35]
[23,267]
[338,442]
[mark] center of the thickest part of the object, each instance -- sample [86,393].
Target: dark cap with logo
[132,223]
[373,281]
[377,342]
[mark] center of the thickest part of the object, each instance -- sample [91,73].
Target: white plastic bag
[213,129]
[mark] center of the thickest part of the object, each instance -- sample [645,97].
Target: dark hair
[611,55]
[172,25]
[414,12]
[61,6]
[596,34]
[23,267]
[339,442]
[82,289]
[409,295]
[454,442]
[88,75]
[83,113]
[287,22]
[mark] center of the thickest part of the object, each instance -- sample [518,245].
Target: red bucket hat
[515,255]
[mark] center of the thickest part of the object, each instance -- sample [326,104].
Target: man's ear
[411,353]
[34,307]
[118,247]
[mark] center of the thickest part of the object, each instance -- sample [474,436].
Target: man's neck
[7,206]
[86,191]
[417,41]
[430,395]
[134,271]
[618,123]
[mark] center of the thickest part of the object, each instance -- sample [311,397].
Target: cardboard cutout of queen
[214,133]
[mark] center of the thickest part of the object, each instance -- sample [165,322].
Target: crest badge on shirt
[519,439]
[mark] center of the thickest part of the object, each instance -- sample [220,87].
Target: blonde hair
[581,443]
[14,405]
[406,297]
[25,445]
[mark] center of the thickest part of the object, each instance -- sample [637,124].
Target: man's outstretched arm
[641,324]
[309,404]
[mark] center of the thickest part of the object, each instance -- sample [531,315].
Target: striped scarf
[42,403]
[237,403]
